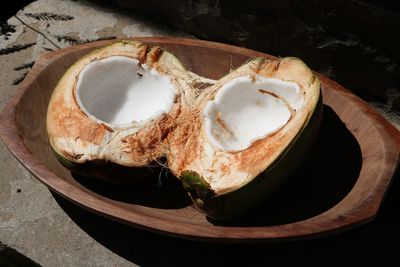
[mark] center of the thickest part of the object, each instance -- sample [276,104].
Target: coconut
[249,132]
[115,108]
[231,144]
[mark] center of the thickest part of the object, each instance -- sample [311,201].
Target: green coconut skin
[241,201]
[198,188]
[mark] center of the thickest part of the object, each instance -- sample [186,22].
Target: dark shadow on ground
[9,257]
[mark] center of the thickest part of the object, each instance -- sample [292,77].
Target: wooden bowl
[341,184]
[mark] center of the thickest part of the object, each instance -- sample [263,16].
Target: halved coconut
[250,131]
[116,105]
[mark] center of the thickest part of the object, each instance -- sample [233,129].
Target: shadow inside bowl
[161,191]
[324,179]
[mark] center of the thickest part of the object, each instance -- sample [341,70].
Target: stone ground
[39,228]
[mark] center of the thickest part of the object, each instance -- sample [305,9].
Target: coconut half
[116,105]
[231,144]
[252,130]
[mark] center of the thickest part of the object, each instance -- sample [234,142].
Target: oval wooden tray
[341,184]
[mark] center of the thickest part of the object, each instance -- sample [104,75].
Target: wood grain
[349,172]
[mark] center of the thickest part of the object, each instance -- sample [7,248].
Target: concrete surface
[50,231]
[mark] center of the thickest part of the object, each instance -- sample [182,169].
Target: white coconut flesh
[117,90]
[249,108]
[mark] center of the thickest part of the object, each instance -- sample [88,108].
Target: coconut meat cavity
[117,90]
[249,108]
